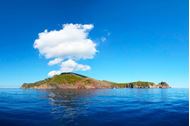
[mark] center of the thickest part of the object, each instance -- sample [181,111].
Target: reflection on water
[67,104]
[101,107]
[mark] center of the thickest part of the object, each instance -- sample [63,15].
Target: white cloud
[54,72]
[103,39]
[65,46]
[55,61]
[69,66]
[70,42]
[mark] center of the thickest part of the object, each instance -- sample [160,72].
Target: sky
[116,40]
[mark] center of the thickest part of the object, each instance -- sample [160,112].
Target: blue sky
[144,40]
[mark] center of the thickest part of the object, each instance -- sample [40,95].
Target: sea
[94,107]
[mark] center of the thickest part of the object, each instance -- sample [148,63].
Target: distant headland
[77,81]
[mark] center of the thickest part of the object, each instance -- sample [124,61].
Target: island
[77,81]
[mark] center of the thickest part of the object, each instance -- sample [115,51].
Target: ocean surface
[101,107]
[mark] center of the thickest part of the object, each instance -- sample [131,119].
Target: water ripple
[130,107]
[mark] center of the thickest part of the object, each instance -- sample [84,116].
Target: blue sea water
[101,107]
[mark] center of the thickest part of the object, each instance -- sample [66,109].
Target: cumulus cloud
[55,61]
[68,66]
[70,42]
[54,72]
[66,46]
[71,65]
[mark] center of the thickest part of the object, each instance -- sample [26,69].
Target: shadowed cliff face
[77,81]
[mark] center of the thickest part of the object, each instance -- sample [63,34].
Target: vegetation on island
[77,81]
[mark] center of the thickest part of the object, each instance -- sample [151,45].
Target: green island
[77,81]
